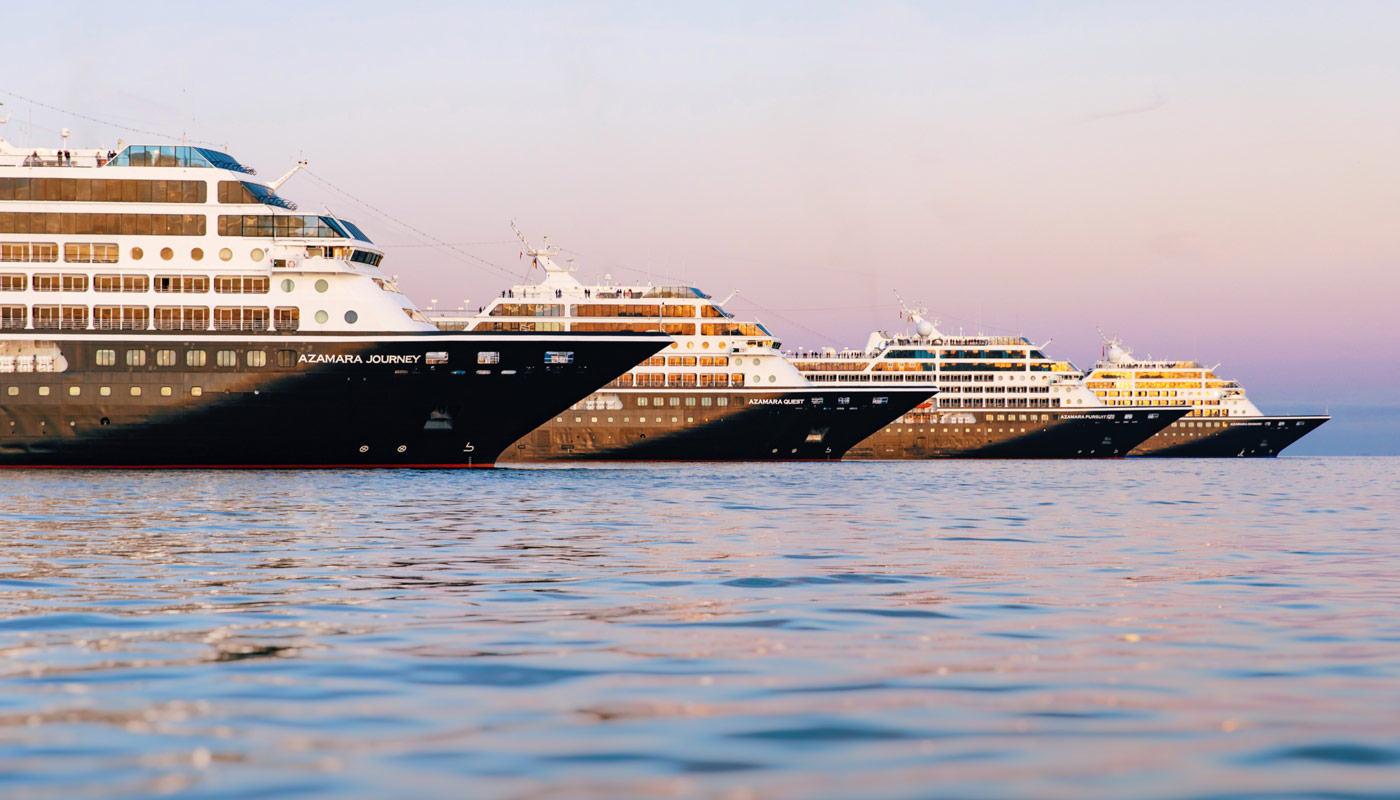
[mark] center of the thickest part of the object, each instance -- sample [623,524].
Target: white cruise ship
[720,391]
[998,397]
[1221,421]
[162,306]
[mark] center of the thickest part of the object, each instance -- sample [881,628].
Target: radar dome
[925,328]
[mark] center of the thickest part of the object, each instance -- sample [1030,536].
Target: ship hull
[753,425]
[1016,433]
[1235,437]
[379,400]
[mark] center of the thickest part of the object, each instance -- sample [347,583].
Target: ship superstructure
[998,397]
[161,305]
[1220,420]
[722,390]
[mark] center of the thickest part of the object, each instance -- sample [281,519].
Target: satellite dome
[925,328]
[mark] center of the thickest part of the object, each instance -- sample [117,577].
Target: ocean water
[1141,628]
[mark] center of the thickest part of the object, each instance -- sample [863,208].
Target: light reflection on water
[958,629]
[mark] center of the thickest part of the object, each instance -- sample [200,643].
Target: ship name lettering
[776,401]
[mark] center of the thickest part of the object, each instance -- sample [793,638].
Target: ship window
[226,358]
[488,357]
[690,401]
[136,358]
[12,391]
[321,317]
[225,254]
[194,284]
[90,253]
[286,318]
[43,391]
[288,284]
[321,285]
[286,358]
[195,391]
[165,358]
[255,358]
[641,401]
[165,391]
[721,401]
[241,284]
[106,358]
[244,318]
[256,254]
[28,251]
[706,401]
[351,317]
[14,282]
[46,282]
[136,391]
[104,391]
[103,224]
[675,401]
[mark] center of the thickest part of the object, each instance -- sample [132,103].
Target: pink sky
[1208,181]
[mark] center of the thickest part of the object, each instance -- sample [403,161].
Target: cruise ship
[162,306]
[721,391]
[1221,421]
[998,397]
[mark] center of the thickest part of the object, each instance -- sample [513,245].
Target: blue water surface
[1139,628]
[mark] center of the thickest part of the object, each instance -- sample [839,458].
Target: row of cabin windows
[687,379]
[165,318]
[195,358]
[27,222]
[102,190]
[686,361]
[658,402]
[601,310]
[100,253]
[105,391]
[76,282]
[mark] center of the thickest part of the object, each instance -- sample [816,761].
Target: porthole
[166,391]
[104,391]
[137,253]
[288,284]
[321,317]
[704,345]
[74,391]
[136,391]
[772,378]
[720,345]
[674,345]
[225,254]
[166,254]
[256,254]
[321,285]
[690,345]
[351,316]
[12,391]
[195,391]
[197,254]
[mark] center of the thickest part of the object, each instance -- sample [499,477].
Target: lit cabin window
[106,358]
[226,358]
[488,357]
[559,357]
[195,358]
[136,358]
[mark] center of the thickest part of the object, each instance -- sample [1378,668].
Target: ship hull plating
[1016,433]
[752,425]
[1236,437]
[390,400]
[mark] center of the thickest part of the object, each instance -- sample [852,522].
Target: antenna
[731,296]
[277,184]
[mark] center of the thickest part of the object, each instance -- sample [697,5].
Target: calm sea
[1155,629]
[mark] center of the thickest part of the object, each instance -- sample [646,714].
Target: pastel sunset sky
[1207,180]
